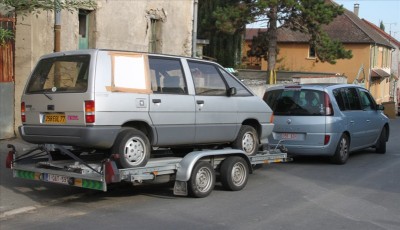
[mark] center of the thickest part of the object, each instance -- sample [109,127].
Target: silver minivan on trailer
[128,103]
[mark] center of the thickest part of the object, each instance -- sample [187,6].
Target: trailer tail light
[328,105]
[327,139]
[111,171]
[89,112]
[23,116]
[9,159]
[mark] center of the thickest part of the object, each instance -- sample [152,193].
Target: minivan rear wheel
[132,148]
[342,151]
[247,140]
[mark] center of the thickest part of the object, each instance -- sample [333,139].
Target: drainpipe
[57,28]
[57,41]
[194,32]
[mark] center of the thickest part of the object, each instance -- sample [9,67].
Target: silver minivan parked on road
[129,102]
[326,119]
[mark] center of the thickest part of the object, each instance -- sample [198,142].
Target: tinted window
[367,102]
[351,99]
[167,76]
[207,79]
[296,101]
[66,74]
[337,93]
[233,82]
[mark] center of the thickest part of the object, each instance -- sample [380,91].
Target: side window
[337,93]
[207,80]
[367,103]
[352,99]
[167,76]
[232,82]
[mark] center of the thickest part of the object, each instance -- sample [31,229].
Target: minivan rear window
[296,101]
[60,74]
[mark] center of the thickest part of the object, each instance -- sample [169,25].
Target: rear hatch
[299,115]
[56,93]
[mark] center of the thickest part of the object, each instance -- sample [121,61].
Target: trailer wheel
[202,180]
[234,173]
[132,147]
[247,140]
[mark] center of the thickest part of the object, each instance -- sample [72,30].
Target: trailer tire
[234,173]
[247,140]
[132,147]
[202,180]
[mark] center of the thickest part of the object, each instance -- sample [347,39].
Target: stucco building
[370,65]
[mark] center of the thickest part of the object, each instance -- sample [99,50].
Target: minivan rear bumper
[91,137]
[299,148]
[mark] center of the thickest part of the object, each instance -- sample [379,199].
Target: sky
[387,11]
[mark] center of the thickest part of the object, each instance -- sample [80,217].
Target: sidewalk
[21,195]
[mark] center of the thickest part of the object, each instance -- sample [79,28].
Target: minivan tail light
[89,112]
[23,116]
[271,118]
[327,139]
[328,106]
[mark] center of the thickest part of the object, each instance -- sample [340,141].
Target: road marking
[26,209]
[19,211]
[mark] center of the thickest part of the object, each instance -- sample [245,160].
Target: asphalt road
[308,193]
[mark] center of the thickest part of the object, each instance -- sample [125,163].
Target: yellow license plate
[54,118]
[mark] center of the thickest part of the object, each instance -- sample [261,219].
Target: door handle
[200,102]
[156,100]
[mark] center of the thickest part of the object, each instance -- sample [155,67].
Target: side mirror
[380,107]
[232,91]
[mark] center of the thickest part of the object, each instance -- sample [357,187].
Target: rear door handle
[156,100]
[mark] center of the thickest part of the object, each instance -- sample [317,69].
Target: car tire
[381,144]
[342,151]
[247,140]
[132,148]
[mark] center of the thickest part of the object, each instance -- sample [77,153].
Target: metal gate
[7,77]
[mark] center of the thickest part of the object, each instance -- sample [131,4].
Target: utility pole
[194,31]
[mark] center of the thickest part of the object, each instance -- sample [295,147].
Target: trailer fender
[187,163]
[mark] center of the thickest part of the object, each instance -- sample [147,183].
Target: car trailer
[194,174]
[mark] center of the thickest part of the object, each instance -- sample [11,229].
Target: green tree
[307,16]
[381,25]
[35,7]
[224,46]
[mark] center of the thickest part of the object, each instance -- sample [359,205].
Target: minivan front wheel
[247,140]
[342,151]
[132,148]
[381,144]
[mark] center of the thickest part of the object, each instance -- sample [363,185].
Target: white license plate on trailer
[56,178]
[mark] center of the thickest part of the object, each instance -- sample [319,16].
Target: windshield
[301,102]
[66,74]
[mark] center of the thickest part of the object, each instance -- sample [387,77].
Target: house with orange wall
[370,65]
[395,67]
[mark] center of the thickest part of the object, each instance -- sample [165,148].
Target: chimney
[356,8]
